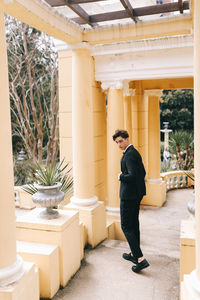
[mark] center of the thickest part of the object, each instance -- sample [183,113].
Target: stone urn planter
[48,197]
[51,184]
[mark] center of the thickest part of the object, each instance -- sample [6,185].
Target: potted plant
[51,184]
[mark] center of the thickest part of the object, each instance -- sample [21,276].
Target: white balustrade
[176,180]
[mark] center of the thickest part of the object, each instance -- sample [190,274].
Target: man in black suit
[132,190]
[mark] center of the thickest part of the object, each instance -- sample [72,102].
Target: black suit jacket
[133,173]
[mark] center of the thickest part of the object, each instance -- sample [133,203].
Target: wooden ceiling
[128,12]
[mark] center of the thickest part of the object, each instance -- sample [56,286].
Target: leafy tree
[177,108]
[32,63]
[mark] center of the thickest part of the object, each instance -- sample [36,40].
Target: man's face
[121,142]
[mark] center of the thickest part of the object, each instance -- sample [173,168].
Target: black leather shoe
[140,266]
[129,256]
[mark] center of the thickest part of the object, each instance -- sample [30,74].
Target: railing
[176,180]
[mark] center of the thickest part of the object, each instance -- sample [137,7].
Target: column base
[94,219]
[12,273]
[27,287]
[190,287]
[84,202]
[156,192]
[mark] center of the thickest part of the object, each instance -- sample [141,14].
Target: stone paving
[104,275]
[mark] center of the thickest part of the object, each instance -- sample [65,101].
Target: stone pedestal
[94,220]
[156,193]
[63,231]
[187,248]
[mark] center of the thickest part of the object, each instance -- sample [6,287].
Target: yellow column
[11,266]
[153,136]
[82,128]
[128,111]
[191,286]
[156,190]
[115,120]
[141,127]
[91,212]
[127,115]
[135,121]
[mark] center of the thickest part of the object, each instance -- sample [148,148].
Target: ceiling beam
[75,7]
[126,4]
[137,12]
[180,3]
[57,3]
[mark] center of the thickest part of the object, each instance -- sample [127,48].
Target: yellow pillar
[82,128]
[135,121]
[8,257]
[14,273]
[128,94]
[191,286]
[156,190]
[91,212]
[143,128]
[115,120]
[154,137]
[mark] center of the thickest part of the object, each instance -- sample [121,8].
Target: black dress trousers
[129,212]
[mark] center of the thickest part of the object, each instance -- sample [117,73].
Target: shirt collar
[127,148]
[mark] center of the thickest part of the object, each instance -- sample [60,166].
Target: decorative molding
[146,59]
[179,41]
[155,92]
[114,211]
[83,202]
[12,273]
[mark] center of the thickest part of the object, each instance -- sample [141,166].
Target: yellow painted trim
[143,30]
[167,83]
[42,17]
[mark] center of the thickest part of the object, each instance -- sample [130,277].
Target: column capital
[118,85]
[112,85]
[129,92]
[155,92]
[126,90]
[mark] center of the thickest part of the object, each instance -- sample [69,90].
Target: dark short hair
[123,133]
